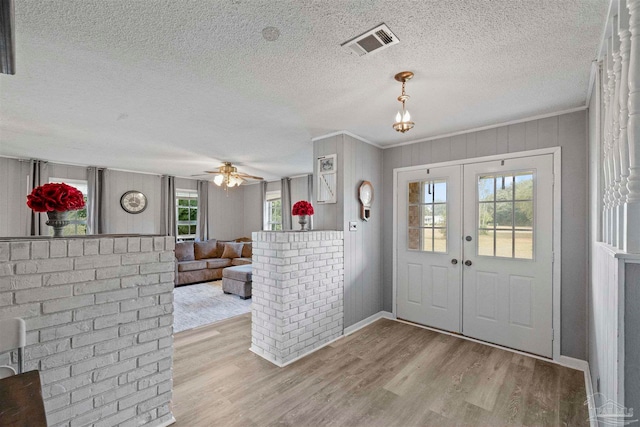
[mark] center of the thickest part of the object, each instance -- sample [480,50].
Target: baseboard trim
[570,362]
[167,423]
[366,322]
[282,365]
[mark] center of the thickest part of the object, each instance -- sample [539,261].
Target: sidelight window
[427,222]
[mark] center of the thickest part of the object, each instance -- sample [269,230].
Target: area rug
[204,303]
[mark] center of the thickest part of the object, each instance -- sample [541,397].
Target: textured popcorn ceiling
[178,86]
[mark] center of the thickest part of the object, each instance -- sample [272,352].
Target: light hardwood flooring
[386,374]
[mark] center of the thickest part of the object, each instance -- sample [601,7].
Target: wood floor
[387,374]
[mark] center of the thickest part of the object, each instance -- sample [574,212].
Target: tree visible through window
[77,219]
[186,214]
[273,218]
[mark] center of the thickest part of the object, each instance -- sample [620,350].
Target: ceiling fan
[228,175]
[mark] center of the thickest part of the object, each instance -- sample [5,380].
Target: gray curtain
[285,197]
[96,200]
[168,205]
[310,197]
[38,175]
[202,227]
[263,187]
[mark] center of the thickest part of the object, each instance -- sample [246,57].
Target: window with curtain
[78,219]
[273,210]
[186,214]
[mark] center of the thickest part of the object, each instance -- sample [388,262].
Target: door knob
[454,261]
[468,238]
[467,263]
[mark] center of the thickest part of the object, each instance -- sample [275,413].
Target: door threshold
[490,344]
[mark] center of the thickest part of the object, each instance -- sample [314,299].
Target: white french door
[429,246]
[474,250]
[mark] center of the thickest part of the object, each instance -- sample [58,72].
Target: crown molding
[497,125]
[462,132]
[346,132]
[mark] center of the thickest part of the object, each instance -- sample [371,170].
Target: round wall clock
[365,194]
[133,202]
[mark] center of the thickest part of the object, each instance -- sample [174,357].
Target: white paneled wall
[607,322]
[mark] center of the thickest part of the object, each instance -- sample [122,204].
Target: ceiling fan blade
[212,172]
[244,175]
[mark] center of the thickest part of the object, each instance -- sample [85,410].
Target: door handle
[468,263]
[454,261]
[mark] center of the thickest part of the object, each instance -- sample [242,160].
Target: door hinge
[553,257]
[552,334]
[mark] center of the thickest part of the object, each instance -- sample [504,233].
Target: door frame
[557,227]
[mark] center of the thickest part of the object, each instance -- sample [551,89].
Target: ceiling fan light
[406,117]
[398,117]
[218,180]
[235,181]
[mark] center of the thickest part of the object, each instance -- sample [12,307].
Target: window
[505,215]
[273,211]
[428,216]
[77,219]
[186,214]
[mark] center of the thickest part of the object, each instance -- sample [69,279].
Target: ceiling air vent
[374,40]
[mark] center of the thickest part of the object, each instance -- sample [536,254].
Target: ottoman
[237,280]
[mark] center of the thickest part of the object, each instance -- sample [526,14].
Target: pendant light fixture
[403,118]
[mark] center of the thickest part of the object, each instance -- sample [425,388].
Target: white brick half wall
[297,292]
[99,315]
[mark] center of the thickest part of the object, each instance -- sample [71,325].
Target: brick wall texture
[99,315]
[297,292]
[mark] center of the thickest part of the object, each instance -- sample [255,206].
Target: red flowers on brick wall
[302,208]
[55,197]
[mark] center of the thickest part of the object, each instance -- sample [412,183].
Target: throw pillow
[247,250]
[221,244]
[184,251]
[232,250]
[206,249]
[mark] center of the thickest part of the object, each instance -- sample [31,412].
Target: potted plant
[302,209]
[56,199]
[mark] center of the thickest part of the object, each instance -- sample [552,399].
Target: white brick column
[99,325]
[297,292]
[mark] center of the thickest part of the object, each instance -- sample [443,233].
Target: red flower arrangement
[55,197]
[302,208]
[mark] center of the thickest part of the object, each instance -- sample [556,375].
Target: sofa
[204,261]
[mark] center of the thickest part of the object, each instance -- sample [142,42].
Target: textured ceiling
[177,87]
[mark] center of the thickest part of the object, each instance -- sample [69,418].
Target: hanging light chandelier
[403,118]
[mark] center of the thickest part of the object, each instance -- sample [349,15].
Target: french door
[474,250]
[429,247]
